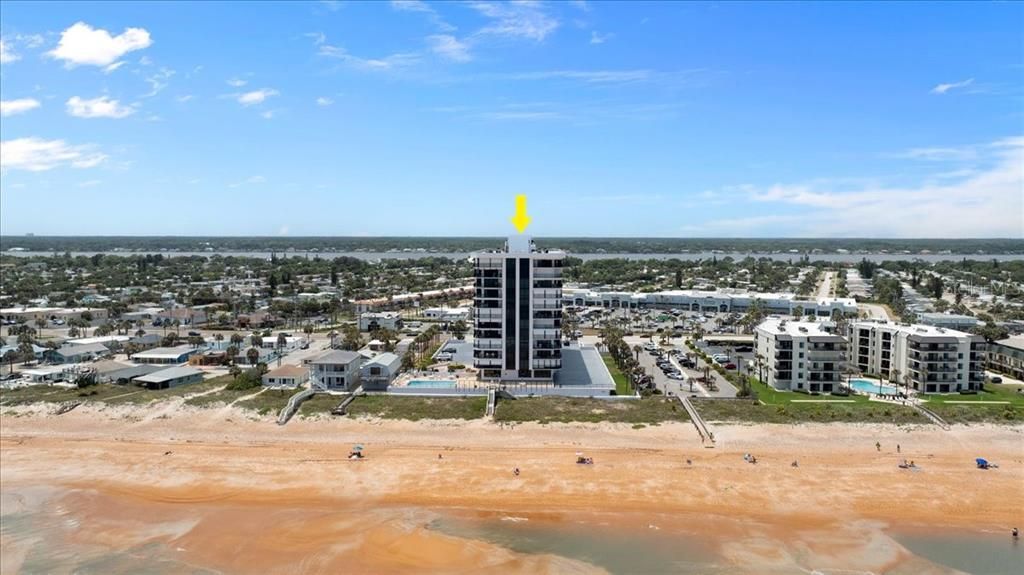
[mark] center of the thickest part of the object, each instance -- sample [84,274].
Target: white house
[286,376]
[335,370]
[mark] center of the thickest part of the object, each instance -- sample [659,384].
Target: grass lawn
[788,407]
[647,411]
[786,412]
[57,394]
[224,396]
[973,410]
[620,379]
[146,395]
[270,401]
[320,403]
[416,408]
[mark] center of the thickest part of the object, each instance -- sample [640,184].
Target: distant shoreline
[688,248]
[412,255]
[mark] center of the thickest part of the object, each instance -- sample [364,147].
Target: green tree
[253,355]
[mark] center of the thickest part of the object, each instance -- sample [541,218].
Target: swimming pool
[868,386]
[431,383]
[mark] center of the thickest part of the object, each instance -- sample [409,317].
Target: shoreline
[226,466]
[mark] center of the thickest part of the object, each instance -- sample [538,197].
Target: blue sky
[427,118]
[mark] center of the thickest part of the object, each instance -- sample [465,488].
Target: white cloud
[449,47]
[19,106]
[38,155]
[237,82]
[332,5]
[979,203]
[255,96]
[89,183]
[943,88]
[581,4]
[7,54]
[157,82]
[184,98]
[249,180]
[283,231]
[411,6]
[526,20]
[423,8]
[589,76]
[939,154]
[324,101]
[113,66]
[83,45]
[101,107]
[393,61]
[596,38]
[267,115]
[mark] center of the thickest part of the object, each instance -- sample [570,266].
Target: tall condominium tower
[518,312]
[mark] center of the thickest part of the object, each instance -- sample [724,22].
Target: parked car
[730,366]
[995,379]
[193,333]
[676,375]
[744,349]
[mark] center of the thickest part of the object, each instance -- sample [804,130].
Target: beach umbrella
[981,462]
[357,448]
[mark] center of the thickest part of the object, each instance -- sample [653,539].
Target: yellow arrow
[520,220]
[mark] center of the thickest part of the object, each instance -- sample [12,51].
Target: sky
[428,118]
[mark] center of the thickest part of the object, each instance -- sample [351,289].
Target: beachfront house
[166,355]
[72,353]
[378,373]
[336,370]
[286,376]
[170,377]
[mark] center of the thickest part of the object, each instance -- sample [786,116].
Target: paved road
[874,311]
[825,287]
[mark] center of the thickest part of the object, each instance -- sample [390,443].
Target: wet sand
[242,495]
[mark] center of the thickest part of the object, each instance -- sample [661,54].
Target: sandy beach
[233,493]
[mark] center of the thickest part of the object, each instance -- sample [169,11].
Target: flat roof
[161,352]
[912,328]
[1014,341]
[166,374]
[778,326]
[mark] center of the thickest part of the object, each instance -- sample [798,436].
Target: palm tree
[9,356]
[231,353]
[218,337]
[237,339]
[256,340]
[40,323]
[253,355]
[234,371]
[637,349]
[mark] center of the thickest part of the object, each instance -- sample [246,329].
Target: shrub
[248,379]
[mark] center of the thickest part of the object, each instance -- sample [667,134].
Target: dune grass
[649,411]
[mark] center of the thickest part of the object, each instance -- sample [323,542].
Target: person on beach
[1015,533]
[897,448]
[878,446]
[515,472]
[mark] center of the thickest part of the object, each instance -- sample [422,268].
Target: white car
[676,375]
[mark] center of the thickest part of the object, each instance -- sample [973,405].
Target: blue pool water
[868,386]
[431,383]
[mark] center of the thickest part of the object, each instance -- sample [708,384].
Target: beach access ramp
[706,436]
[293,405]
[492,400]
[343,406]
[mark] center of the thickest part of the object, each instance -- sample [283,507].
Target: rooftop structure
[708,301]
